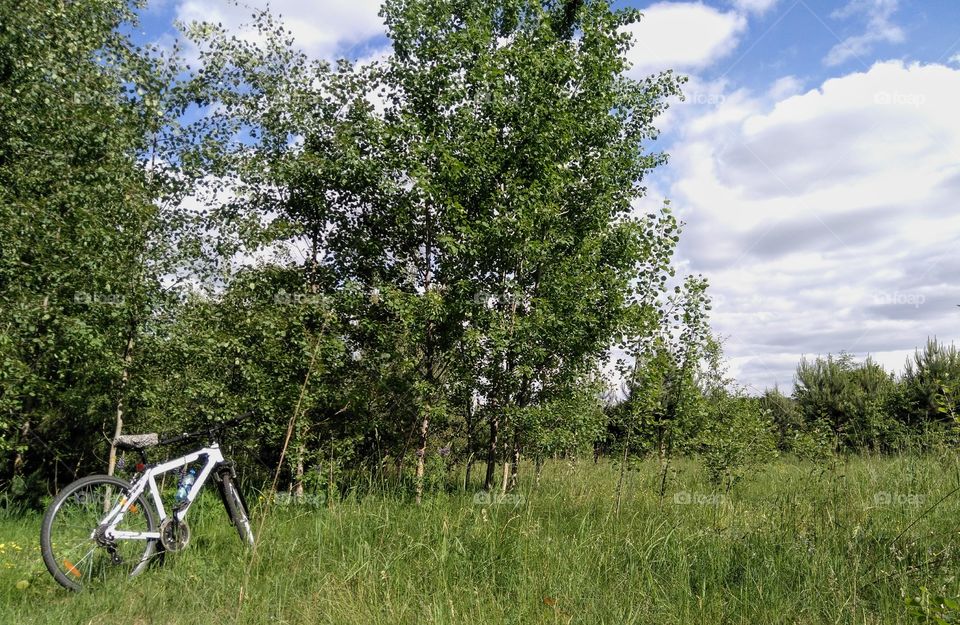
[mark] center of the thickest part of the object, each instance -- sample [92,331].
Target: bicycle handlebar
[208,430]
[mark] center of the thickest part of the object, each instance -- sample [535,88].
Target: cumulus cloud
[322,28]
[880,29]
[685,36]
[826,220]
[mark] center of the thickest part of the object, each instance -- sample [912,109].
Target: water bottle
[185,483]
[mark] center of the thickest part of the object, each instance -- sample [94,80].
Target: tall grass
[797,543]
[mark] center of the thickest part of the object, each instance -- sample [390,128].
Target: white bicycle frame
[148,480]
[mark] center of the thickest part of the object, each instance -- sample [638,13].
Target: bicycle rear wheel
[72,543]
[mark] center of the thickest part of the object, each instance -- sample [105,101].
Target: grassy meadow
[795,543]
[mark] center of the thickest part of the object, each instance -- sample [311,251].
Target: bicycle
[101,527]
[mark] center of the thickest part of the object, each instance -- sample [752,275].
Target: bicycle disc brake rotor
[174,534]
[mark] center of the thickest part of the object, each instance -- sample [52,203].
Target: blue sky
[815,161]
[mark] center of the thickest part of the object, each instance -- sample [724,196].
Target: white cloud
[754,6]
[684,36]
[784,87]
[955,59]
[322,28]
[826,220]
[880,29]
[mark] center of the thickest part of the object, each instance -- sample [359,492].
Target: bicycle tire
[77,494]
[236,508]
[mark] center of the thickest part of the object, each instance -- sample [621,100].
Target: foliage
[88,220]
[737,439]
[928,607]
[786,418]
[428,260]
[930,384]
[848,397]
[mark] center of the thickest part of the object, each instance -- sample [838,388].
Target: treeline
[861,407]
[837,406]
[418,271]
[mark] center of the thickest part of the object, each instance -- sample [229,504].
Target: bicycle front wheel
[72,540]
[236,508]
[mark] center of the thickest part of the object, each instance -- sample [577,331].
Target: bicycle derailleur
[101,538]
[174,534]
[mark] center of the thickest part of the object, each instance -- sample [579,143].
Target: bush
[786,417]
[740,437]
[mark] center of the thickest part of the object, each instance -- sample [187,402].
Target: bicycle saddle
[137,441]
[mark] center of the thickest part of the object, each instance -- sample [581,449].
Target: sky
[815,162]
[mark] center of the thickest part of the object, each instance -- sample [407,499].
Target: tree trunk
[18,460]
[492,450]
[299,459]
[429,364]
[623,471]
[514,466]
[422,453]
[330,478]
[297,490]
[538,470]
[118,414]
[665,454]
[469,471]
[469,420]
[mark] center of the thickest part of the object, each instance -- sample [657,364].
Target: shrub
[740,437]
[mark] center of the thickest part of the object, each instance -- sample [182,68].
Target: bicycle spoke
[75,526]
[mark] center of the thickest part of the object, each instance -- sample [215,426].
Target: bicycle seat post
[143,461]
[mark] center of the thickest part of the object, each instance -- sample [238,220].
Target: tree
[525,150]
[84,224]
[930,385]
[847,397]
[737,437]
[672,361]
